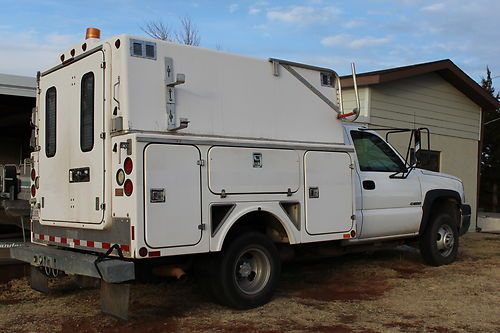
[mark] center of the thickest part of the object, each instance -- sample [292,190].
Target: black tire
[246,273]
[439,242]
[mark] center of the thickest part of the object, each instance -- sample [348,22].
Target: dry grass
[390,291]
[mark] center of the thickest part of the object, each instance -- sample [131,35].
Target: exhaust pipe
[170,271]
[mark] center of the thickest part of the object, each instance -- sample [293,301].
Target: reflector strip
[154,253]
[347,236]
[78,242]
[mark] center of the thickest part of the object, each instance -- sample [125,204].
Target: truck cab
[396,200]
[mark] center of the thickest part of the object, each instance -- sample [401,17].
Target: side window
[50,121]
[87,112]
[374,154]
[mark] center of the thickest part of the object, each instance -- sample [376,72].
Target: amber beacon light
[92,33]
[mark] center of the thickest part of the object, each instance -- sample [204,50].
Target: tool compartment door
[172,195]
[71,164]
[328,192]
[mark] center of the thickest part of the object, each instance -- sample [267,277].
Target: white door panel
[67,199]
[253,170]
[390,206]
[329,196]
[172,218]
[383,222]
[393,207]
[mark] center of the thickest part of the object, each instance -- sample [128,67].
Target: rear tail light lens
[128,187]
[33,174]
[33,191]
[128,165]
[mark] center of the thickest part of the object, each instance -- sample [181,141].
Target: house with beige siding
[438,96]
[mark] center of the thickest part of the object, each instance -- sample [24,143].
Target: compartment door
[329,196]
[72,186]
[172,195]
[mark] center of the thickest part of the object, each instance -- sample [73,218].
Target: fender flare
[430,198]
[279,215]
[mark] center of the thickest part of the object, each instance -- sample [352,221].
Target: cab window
[374,154]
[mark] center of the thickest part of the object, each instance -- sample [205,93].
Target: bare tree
[188,33]
[158,30]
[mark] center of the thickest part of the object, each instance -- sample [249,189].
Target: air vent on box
[142,49]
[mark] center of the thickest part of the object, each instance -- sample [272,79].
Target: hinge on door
[103,206]
[202,226]
[351,166]
[200,162]
[103,64]
[353,217]
[102,135]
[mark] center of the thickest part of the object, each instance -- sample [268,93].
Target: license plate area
[35,214]
[44,261]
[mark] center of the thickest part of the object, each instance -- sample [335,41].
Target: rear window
[50,121]
[87,112]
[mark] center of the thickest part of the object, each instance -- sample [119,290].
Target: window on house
[427,159]
[87,112]
[50,121]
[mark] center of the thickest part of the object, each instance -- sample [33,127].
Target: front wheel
[439,242]
[247,272]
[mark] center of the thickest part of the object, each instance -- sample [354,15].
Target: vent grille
[143,49]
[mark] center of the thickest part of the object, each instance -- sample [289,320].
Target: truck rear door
[71,165]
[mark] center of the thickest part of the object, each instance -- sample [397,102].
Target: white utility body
[148,149]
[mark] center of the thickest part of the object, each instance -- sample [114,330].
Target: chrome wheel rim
[252,271]
[445,240]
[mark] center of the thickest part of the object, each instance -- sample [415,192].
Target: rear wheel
[245,275]
[439,243]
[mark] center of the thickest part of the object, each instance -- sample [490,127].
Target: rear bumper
[465,212]
[71,262]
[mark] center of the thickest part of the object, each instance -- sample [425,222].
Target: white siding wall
[425,101]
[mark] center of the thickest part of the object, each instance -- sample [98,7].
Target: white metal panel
[64,201]
[331,174]
[232,169]
[173,169]
[225,95]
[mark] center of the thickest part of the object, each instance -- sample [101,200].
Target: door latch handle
[368,184]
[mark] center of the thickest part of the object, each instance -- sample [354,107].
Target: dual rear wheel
[245,274]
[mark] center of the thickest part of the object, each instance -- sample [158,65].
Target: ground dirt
[390,291]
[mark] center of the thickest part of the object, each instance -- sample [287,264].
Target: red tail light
[33,174]
[128,187]
[33,190]
[128,166]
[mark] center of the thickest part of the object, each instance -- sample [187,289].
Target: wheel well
[446,203]
[436,203]
[259,221]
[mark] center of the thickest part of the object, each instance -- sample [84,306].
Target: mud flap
[38,280]
[115,299]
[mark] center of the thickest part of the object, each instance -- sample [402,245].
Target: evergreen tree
[490,154]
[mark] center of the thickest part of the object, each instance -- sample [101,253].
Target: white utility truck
[150,153]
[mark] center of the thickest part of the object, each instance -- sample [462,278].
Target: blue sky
[376,34]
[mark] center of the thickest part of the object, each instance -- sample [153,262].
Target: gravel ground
[390,291]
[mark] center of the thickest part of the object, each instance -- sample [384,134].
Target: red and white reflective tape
[78,242]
